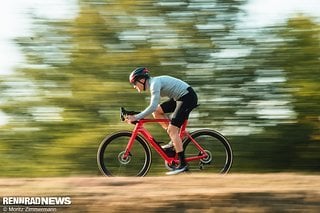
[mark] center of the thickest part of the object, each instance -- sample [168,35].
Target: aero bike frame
[139,129]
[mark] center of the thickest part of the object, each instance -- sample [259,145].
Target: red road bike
[128,153]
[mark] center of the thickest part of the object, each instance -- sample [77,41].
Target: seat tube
[183,129]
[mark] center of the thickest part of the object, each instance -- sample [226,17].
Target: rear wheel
[218,150]
[110,156]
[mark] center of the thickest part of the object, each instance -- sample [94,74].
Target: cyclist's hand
[130,119]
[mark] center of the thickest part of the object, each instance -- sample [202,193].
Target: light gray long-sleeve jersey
[163,86]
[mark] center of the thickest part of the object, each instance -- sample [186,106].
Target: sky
[262,13]
[15,21]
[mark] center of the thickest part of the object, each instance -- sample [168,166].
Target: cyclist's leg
[159,114]
[173,132]
[181,113]
[165,107]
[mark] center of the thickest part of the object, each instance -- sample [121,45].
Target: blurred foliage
[259,87]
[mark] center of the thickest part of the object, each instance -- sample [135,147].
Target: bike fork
[129,145]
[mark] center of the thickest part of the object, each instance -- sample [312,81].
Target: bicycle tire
[217,147]
[112,147]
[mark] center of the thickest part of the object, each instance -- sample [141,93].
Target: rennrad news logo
[34,204]
[36,201]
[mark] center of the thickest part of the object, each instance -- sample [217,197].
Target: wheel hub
[207,159]
[124,160]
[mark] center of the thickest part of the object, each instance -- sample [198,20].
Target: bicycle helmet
[138,73]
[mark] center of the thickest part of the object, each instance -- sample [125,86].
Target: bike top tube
[156,120]
[150,120]
[141,122]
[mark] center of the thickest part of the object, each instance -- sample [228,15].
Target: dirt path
[183,193]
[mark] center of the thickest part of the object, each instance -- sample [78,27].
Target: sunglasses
[135,83]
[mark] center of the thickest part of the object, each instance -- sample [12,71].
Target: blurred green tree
[256,89]
[286,98]
[77,70]
[299,56]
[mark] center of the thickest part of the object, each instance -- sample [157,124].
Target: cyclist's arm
[154,101]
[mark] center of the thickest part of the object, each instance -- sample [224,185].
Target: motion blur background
[65,66]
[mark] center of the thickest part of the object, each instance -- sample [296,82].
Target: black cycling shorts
[181,108]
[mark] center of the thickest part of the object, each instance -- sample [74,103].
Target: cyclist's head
[138,74]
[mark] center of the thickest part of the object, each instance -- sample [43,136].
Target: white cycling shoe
[168,145]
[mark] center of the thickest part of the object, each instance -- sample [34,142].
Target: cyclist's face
[138,85]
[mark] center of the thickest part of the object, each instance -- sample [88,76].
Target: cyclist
[182,99]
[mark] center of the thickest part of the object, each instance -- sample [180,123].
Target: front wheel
[217,148]
[110,156]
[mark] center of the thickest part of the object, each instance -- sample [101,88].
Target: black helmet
[138,73]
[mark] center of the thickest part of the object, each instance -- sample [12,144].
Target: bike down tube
[140,129]
[151,139]
[154,144]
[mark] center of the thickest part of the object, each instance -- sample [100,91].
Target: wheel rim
[111,161]
[217,148]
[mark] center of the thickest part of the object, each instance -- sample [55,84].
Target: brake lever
[124,113]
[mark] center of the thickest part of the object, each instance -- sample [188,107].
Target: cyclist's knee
[158,113]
